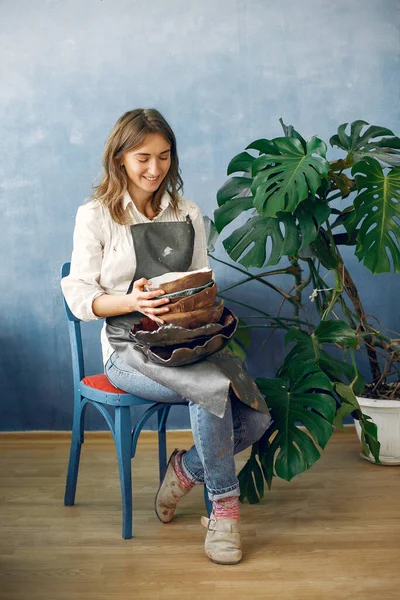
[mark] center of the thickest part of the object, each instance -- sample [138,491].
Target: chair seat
[101,382]
[99,389]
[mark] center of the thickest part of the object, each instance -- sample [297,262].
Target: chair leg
[75,454]
[123,440]
[162,416]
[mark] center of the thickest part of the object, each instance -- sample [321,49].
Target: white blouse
[103,257]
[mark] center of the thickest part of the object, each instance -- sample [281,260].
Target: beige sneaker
[223,543]
[169,493]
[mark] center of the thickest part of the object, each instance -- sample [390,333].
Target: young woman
[117,248]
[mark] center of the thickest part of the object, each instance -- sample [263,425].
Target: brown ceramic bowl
[203,299]
[186,353]
[191,280]
[149,333]
[196,318]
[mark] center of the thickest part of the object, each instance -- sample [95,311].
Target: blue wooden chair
[99,392]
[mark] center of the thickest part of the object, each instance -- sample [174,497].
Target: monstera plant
[290,191]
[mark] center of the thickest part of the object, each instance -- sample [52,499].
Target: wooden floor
[331,534]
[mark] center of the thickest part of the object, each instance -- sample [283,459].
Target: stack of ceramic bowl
[196,326]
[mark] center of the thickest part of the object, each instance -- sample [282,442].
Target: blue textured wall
[222,73]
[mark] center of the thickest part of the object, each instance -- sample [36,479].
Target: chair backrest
[65,269]
[75,336]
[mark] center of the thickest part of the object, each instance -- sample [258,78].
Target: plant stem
[316,279]
[346,283]
[230,287]
[297,276]
[332,303]
[258,326]
[354,296]
[347,312]
[278,319]
[230,265]
[334,196]
[353,360]
[250,276]
[338,282]
[287,271]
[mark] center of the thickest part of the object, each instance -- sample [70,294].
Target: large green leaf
[241,162]
[263,449]
[324,254]
[349,404]
[334,368]
[309,347]
[290,131]
[360,144]
[303,392]
[311,213]
[377,208]
[346,218]
[327,332]
[211,233]
[288,176]
[263,146]
[305,396]
[230,210]
[248,244]
[251,481]
[369,437]
[336,332]
[339,370]
[241,341]
[235,186]
[369,430]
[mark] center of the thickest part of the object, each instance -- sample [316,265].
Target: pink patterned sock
[184,482]
[227,508]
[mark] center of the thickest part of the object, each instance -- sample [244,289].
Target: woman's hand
[143,301]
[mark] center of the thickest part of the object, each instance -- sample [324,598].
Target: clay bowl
[176,296]
[149,333]
[191,280]
[195,349]
[203,299]
[196,318]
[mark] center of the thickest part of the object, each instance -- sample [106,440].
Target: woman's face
[147,165]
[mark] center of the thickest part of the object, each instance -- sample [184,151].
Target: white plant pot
[386,415]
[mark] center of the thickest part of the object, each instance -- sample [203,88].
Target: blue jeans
[210,460]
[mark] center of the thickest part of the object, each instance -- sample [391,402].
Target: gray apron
[163,247]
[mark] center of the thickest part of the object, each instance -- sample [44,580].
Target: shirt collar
[165,202]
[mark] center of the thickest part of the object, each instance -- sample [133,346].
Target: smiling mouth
[151,179]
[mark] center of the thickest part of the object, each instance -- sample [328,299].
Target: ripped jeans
[210,460]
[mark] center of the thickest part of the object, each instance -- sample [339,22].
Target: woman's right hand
[144,302]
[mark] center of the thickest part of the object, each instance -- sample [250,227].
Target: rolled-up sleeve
[82,285]
[200,257]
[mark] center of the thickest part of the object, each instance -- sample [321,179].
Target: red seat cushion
[100,382]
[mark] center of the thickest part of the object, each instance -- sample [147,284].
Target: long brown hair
[129,133]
